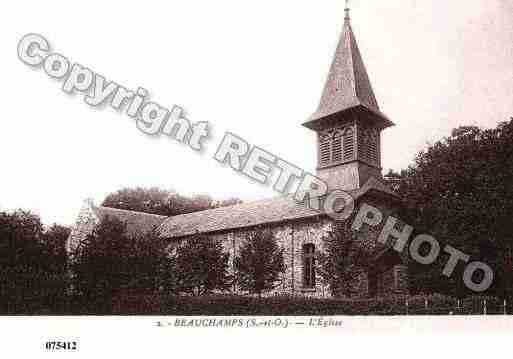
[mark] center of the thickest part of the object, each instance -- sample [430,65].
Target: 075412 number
[57,345]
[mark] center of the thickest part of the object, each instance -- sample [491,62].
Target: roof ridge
[227,207]
[362,84]
[130,211]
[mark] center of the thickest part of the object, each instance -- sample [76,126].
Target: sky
[254,68]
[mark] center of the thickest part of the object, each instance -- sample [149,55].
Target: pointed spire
[348,85]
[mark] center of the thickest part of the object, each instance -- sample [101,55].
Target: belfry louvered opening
[368,145]
[349,145]
[372,151]
[336,146]
[324,150]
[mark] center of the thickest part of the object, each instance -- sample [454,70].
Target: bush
[260,264]
[32,265]
[111,262]
[289,305]
[198,266]
[133,303]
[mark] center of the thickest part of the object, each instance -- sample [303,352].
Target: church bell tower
[348,121]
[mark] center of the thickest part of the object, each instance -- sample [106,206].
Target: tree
[162,202]
[260,263]
[112,263]
[342,261]
[55,238]
[32,263]
[459,190]
[200,266]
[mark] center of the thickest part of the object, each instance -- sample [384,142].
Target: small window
[309,266]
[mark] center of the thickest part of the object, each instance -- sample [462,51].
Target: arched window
[309,266]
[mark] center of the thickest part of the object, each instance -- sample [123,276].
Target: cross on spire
[347,10]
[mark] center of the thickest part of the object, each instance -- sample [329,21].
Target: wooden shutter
[324,149]
[336,147]
[349,144]
[372,146]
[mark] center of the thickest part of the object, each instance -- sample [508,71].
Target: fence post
[458,309]
[426,304]
[484,307]
[505,307]
[407,305]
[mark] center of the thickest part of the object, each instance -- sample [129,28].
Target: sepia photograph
[191,169]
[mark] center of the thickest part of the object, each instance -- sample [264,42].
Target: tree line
[460,190]
[40,277]
[113,263]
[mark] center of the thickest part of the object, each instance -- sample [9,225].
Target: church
[348,124]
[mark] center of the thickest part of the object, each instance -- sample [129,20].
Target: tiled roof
[137,223]
[267,211]
[377,186]
[233,217]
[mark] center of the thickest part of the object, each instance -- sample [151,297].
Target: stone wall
[291,237]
